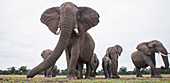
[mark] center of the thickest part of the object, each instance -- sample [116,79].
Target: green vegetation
[122,71]
[99,79]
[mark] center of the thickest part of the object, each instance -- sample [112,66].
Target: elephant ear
[95,58]
[108,52]
[43,54]
[50,18]
[118,49]
[144,48]
[87,18]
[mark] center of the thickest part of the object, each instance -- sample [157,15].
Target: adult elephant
[145,56]
[94,65]
[73,23]
[52,71]
[113,53]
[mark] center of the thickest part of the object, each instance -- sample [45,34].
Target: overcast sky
[125,22]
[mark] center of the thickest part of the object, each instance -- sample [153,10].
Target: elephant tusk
[58,31]
[76,31]
[163,54]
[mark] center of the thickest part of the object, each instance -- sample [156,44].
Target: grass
[98,79]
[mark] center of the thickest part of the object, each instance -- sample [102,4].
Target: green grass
[98,79]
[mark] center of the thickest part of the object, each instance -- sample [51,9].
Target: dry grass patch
[98,79]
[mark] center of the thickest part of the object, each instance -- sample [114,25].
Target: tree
[58,72]
[145,70]
[123,71]
[134,71]
[100,72]
[23,70]
[64,72]
[12,70]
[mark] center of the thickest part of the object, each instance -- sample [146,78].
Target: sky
[125,22]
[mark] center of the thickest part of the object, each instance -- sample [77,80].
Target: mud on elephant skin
[94,65]
[52,71]
[73,22]
[113,53]
[145,56]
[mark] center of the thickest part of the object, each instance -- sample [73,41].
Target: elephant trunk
[61,45]
[164,55]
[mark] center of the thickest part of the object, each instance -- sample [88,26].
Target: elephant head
[114,51]
[154,47]
[46,53]
[70,19]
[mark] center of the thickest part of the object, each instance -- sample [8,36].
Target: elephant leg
[88,71]
[149,62]
[80,68]
[115,68]
[48,73]
[77,73]
[67,57]
[45,73]
[138,73]
[154,72]
[94,73]
[75,51]
[113,71]
[109,71]
[105,68]
[54,71]
[154,63]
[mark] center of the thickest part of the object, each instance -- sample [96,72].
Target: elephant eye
[154,45]
[50,53]
[78,15]
[58,12]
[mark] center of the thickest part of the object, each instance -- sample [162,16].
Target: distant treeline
[122,71]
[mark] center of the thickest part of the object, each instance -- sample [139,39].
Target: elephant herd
[72,23]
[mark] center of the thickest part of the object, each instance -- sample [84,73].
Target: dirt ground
[98,79]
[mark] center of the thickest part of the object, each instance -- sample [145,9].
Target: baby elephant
[106,64]
[52,71]
[93,65]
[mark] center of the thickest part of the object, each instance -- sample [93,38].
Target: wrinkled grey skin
[113,53]
[107,64]
[145,56]
[52,71]
[94,65]
[78,45]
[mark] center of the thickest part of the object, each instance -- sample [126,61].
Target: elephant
[107,64]
[113,53]
[73,23]
[94,65]
[52,71]
[145,56]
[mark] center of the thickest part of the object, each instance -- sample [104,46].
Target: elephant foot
[139,76]
[114,77]
[107,78]
[156,76]
[117,76]
[81,77]
[88,77]
[71,77]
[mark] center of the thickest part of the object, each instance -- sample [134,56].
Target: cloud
[23,37]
